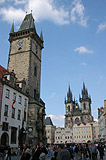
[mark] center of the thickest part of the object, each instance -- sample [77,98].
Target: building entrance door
[5,139]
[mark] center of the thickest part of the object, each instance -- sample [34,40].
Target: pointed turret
[41,36]
[28,23]
[69,95]
[12,28]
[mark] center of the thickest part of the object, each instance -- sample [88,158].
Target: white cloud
[53,95]
[2,1]
[41,9]
[57,120]
[10,14]
[83,64]
[83,50]
[101,27]
[17,2]
[77,13]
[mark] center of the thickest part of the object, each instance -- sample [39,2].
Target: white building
[13,109]
[63,135]
[101,121]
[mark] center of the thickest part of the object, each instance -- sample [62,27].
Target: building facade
[76,114]
[13,109]
[50,130]
[101,121]
[25,60]
[63,135]
[83,133]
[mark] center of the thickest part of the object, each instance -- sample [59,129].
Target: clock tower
[25,60]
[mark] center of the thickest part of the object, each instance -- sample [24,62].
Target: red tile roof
[2,71]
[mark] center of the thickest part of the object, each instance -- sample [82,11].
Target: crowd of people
[88,151]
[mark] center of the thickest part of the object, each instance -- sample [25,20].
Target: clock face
[30,129]
[20,43]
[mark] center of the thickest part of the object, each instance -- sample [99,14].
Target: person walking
[63,154]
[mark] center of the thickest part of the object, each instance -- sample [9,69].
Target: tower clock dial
[20,43]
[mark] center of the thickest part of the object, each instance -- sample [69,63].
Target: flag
[25,108]
[14,101]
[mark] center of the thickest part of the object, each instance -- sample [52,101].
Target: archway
[5,139]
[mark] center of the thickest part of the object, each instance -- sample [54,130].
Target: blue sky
[75,48]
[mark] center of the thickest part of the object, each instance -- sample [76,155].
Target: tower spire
[12,28]
[41,36]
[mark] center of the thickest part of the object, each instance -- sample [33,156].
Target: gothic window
[35,71]
[34,93]
[36,48]
[68,108]
[84,106]
[77,120]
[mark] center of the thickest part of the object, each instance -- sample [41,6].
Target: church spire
[41,36]
[69,95]
[12,28]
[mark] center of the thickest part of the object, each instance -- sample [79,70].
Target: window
[20,100]
[68,108]
[19,114]
[14,96]
[13,135]
[5,126]
[13,113]
[6,110]
[84,106]
[35,94]
[35,70]
[7,93]
[36,48]
[24,116]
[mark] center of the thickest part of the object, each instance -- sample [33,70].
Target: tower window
[84,106]
[36,48]
[68,108]
[34,93]
[35,71]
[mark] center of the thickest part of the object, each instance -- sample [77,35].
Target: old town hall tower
[76,114]
[25,61]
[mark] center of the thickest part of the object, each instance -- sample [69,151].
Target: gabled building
[13,109]
[50,130]
[25,59]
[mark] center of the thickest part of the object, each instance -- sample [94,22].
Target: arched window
[77,120]
[35,70]
[84,106]
[68,108]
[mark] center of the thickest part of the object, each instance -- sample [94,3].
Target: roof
[48,121]
[28,23]
[2,71]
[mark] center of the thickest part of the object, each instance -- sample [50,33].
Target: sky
[74,33]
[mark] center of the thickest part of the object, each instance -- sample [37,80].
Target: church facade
[25,60]
[76,114]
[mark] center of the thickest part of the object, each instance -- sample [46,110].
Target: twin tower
[76,114]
